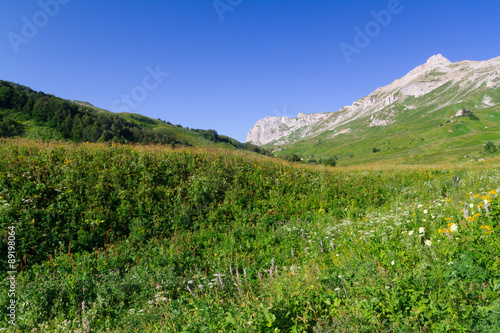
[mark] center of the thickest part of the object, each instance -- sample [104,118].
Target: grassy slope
[180,133]
[55,115]
[127,229]
[416,137]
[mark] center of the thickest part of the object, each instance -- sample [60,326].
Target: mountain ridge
[381,107]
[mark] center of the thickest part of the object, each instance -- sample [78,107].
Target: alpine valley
[440,111]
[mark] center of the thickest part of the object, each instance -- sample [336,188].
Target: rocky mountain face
[449,83]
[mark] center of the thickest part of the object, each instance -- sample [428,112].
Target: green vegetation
[490,148]
[424,130]
[330,161]
[37,115]
[471,115]
[10,128]
[135,238]
[292,158]
[67,120]
[417,137]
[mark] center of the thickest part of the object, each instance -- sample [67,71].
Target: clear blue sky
[265,58]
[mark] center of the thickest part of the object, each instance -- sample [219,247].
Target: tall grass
[148,238]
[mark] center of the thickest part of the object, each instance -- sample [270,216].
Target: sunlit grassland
[421,135]
[149,238]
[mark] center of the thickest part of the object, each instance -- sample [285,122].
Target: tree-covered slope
[36,115]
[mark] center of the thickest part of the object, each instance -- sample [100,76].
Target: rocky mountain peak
[438,59]
[381,107]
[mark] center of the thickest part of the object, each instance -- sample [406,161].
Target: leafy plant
[490,148]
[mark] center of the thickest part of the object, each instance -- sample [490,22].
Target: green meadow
[136,238]
[426,132]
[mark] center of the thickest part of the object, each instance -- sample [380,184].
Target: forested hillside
[37,115]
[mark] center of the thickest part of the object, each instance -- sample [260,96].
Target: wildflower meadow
[120,238]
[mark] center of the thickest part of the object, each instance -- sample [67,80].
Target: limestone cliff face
[455,79]
[273,129]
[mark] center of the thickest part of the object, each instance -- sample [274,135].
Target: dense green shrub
[292,158]
[331,161]
[9,128]
[490,148]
